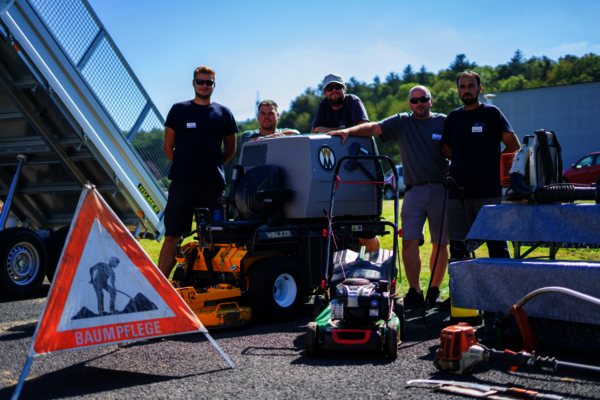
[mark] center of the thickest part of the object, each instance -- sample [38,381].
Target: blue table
[498,284]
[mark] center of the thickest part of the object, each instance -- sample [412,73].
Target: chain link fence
[79,32]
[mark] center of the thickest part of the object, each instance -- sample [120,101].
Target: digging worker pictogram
[99,277]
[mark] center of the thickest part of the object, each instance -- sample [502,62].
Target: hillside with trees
[383,98]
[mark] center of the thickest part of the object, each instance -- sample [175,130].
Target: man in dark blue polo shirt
[194,132]
[472,137]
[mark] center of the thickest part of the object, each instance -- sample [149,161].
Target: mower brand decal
[148,198]
[326,158]
[106,288]
[278,234]
[356,228]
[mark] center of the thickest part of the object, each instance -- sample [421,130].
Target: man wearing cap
[268,115]
[195,132]
[419,137]
[338,109]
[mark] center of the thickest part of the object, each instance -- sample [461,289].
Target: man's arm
[511,141]
[229,147]
[169,144]
[361,130]
[447,151]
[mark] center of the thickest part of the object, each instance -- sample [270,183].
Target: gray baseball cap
[332,78]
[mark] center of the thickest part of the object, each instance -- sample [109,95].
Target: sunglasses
[331,88]
[201,82]
[422,99]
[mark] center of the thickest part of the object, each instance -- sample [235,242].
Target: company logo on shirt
[326,158]
[211,115]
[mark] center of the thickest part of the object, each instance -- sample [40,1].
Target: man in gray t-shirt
[419,137]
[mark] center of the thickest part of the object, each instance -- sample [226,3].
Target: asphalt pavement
[270,361]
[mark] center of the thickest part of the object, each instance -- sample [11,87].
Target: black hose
[437,254]
[552,194]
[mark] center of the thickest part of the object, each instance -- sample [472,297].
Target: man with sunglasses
[268,115]
[472,137]
[338,109]
[419,137]
[195,130]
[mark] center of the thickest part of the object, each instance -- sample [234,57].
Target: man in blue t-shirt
[472,137]
[268,115]
[338,109]
[195,130]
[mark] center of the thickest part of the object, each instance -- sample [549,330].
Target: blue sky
[281,48]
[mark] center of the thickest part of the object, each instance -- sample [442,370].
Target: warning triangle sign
[106,289]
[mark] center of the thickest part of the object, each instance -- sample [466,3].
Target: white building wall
[571,111]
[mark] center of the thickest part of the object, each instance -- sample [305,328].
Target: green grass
[152,247]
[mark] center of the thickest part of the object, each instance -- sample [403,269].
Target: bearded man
[472,139]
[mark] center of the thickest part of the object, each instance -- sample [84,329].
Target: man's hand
[343,133]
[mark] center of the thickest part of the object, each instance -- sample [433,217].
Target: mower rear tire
[277,289]
[389,193]
[312,340]
[399,311]
[22,262]
[318,306]
[391,340]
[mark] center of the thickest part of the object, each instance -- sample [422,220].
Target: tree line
[384,98]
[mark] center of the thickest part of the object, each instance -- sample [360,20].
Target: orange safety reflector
[140,214]
[247,283]
[16,47]
[324,232]
[506,161]
[323,284]
[106,288]
[400,232]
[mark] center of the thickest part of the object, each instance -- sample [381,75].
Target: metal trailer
[71,111]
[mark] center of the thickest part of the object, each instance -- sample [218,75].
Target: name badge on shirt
[191,125]
[435,135]
[477,127]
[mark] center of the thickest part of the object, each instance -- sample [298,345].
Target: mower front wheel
[312,340]
[391,340]
[277,288]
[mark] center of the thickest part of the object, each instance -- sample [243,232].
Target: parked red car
[586,170]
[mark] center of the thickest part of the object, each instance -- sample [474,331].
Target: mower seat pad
[237,226]
[496,284]
[374,267]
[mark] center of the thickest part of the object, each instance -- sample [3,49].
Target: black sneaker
[413,299]
[444,305]
[433,297]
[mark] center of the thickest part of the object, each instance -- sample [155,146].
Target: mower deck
[212,308]
[324,333]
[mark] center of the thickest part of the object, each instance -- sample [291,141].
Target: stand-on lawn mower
[359,311]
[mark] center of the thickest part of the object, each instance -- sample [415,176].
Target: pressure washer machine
[358,312]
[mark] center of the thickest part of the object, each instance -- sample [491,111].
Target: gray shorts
[421,203]
[459,229]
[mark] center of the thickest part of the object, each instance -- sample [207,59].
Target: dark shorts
[424,202]
[459,225]
[184,197]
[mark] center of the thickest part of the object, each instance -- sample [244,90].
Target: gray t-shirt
[420,143]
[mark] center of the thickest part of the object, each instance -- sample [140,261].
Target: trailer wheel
[277,288]
[312,340]
[391,340]
[54,248]
[388,193]
[23,262]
